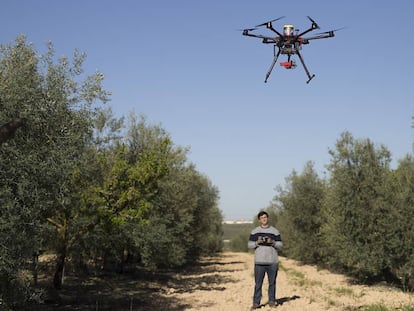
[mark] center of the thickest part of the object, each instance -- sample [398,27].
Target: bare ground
[299,287]
[220,283]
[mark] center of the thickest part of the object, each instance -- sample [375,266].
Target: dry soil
[299,287]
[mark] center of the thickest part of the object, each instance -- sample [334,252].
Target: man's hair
[261,213]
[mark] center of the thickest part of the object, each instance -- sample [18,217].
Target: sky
[186,66]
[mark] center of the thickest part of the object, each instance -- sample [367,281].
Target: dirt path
[227,284]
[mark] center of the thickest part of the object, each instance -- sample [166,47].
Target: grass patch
[299,278]
[375,307]
[331,303]
[296,274]
[344,291]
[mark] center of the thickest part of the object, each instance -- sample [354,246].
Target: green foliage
[358,220]
[183,212]
[232,230]
[402,248]
[38,161]
[150,203]
[299,205]
[237,236]
[72,182]
[238,243]
[358,224]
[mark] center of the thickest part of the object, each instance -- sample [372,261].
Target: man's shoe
[256,307]
[273,304]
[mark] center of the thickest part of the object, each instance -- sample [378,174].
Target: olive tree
[358,217]
[299,205]
[55,100]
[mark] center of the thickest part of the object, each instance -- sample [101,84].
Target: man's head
[263,218]
[261,213]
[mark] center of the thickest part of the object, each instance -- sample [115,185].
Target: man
[266,242]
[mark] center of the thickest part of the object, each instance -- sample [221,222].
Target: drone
[289,43]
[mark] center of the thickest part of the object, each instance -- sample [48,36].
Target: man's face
[263,220]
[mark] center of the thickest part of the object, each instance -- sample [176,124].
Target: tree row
[94,191]
[357,219]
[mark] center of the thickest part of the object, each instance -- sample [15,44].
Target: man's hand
[259,240]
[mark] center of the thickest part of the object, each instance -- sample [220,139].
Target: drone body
[289,43]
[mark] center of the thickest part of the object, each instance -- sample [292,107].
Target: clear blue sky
[185,66]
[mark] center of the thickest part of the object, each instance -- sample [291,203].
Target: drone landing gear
[272,65]
[290,64]
[304,66]
[310,78]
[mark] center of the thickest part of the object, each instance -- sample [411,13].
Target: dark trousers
[259,274]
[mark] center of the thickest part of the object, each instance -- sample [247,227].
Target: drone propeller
[313,22]
[273,20]
[326,32]
[247,29]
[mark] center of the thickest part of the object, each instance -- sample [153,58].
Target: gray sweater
[265,254]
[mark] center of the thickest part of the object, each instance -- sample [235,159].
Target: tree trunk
[61,252]
[35,267]
[60,270]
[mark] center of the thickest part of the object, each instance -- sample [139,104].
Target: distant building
[236,222]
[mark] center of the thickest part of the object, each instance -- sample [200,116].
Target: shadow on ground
[282,300]
[134,290]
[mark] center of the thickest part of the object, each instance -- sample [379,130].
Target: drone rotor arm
[266,39]
[321,35]
[324,35]
[274,30]
[311,28]
[305,32]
